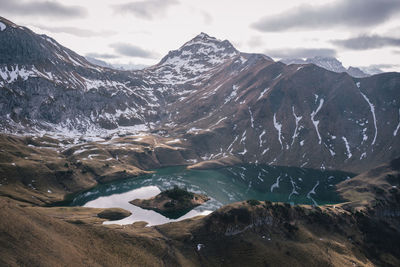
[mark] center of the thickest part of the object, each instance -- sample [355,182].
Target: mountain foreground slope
[355,233]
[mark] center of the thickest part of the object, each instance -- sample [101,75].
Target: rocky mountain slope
[46,86]
[225,103]
[299,115]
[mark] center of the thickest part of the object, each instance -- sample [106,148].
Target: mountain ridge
[328,63]
[211,94]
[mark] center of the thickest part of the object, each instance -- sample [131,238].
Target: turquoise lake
[226,185]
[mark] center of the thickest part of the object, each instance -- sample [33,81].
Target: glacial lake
[226,185]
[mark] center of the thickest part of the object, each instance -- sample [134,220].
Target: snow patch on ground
[2,26]
[230,146]
[233,94]
[10,76]
[218,122]
[278,127]
[243,152]
[259,177]
[349,155]
[315,122]
[372,108]
[294,192]
[365,136]
[297,119]
[194,130]
[312,192]
[243,139]
[251,118]
[398,126]
[261,135]
[276,184]
[263,93]
[277,77]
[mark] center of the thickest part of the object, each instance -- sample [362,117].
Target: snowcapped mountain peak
[197,56]
[203,46]
[204,36]
[329,63]
[204,39]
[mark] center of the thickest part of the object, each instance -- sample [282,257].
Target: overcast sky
[357,32]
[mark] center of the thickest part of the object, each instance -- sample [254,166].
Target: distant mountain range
[128,66]
[328,63]
[225,103]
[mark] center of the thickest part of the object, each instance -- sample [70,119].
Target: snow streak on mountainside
[225,103]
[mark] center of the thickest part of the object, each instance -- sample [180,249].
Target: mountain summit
[196,57]
[202,48]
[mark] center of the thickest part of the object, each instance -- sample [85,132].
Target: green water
[223,186]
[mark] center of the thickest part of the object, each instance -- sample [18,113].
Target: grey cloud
[383,66]
[100,55]
[255,41]
[300,53]
[41,8]
[365,42]
[354,13]
[148,9]
[132,50]
[75,31]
